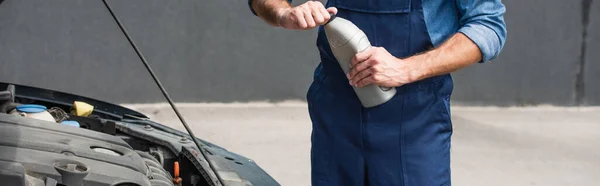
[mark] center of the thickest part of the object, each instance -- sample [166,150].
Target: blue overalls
[404,142]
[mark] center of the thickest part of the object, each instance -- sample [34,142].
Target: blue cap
[71,123]
[31,108]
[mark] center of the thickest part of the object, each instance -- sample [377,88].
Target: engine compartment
[47,144]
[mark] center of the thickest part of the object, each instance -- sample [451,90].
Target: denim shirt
[480,20]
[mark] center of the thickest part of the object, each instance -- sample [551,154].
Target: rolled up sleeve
[482,21]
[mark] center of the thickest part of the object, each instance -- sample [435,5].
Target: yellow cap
[82,109]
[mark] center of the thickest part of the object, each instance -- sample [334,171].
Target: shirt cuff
[485,38]
[250,6]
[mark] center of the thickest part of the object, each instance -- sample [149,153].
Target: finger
[360,57]
[332,10]
[320,9]
[300,20]
[360,67]
[362,75]
[317,15]
[325,14]
[310,22]
[365,81]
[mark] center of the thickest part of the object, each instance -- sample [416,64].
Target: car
[52,138]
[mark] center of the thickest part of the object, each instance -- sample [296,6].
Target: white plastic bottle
[346,40]
[33,111]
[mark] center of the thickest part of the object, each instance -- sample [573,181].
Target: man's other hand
[305,16]
[377,66]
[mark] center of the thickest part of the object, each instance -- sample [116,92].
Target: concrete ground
[491,146]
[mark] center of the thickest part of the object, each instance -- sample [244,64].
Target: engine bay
[44,143]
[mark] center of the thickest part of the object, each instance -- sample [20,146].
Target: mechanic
[418,43]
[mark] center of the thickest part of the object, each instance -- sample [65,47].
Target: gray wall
[216,50]
[592,57]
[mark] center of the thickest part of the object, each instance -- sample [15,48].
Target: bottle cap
[31,108]
[332,16]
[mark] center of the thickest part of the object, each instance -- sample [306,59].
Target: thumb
[332,10]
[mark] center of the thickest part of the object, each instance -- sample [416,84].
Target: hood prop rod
[162,89]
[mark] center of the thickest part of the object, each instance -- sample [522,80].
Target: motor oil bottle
[346,40]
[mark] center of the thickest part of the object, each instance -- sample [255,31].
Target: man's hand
[306,16]
[376,65]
